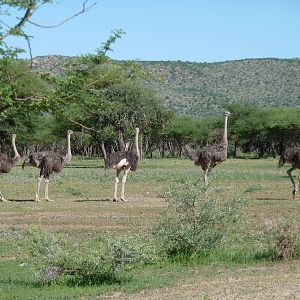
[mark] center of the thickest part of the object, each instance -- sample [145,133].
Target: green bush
[58,259]
[195,224]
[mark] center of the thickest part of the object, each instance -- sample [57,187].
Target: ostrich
[48,162]
[292,156]
[6,162]
[123,160]
[211,155]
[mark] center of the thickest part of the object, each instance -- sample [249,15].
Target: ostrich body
[123,160]
[209,156]
[48,162]
[292,156]
[7,162]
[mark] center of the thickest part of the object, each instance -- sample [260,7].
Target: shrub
[195,224]
[284,239]
[59,260]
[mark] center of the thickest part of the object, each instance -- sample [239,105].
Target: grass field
[83,211]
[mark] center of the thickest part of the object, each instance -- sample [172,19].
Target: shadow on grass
[272,199]
[20,200]
[85,167]
[97,279]
[94,200]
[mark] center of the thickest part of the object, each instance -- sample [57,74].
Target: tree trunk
[120,141]
[103,150]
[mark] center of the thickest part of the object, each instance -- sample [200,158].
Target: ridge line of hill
[198,89]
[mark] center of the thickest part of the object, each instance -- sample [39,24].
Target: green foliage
[183,130]
[115,35]
[23,97]
[194,225]
[265,130]
[77,263]
[107,98]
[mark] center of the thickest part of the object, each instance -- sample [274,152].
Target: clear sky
[186,30]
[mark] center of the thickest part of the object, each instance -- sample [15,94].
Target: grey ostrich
[292,156]
[209,156]
[123,160]
[48,162]
[7,162]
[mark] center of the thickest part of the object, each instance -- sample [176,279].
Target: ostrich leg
[126,171]
[37,193]
[47,189]
[2,198]
[292,179]
[206,174]
[116,185]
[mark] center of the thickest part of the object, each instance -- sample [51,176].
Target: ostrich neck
[69,153]
[17,155]
[137,145]
[225,132]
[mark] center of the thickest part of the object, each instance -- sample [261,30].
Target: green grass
[83,211]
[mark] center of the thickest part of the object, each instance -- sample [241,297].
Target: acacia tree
[107,99]
[23,92]
[266,131]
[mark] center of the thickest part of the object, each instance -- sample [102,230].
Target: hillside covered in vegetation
[203,89]
[200,89]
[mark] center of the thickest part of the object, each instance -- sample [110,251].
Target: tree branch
[29,12]
[84,9]
[23,20]
[33,97]
[83,126]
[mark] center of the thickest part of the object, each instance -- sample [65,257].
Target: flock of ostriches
[207,157]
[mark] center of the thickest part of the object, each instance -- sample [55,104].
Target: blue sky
[186,30]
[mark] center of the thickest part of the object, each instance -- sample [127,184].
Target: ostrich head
[69,132]
[227,113]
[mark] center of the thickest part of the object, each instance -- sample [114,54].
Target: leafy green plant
[193,223]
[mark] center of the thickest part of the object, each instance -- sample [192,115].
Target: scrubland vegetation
[85,244]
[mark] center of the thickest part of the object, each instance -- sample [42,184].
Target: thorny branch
[84,9]
[83,126]
[26,18]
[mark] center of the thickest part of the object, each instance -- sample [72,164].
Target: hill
[202,89]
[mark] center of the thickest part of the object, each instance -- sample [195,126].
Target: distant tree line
[261,132]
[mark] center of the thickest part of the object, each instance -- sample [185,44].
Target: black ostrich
[124,160]
[210,156]
[292,156]
[7,162]
[48,162]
